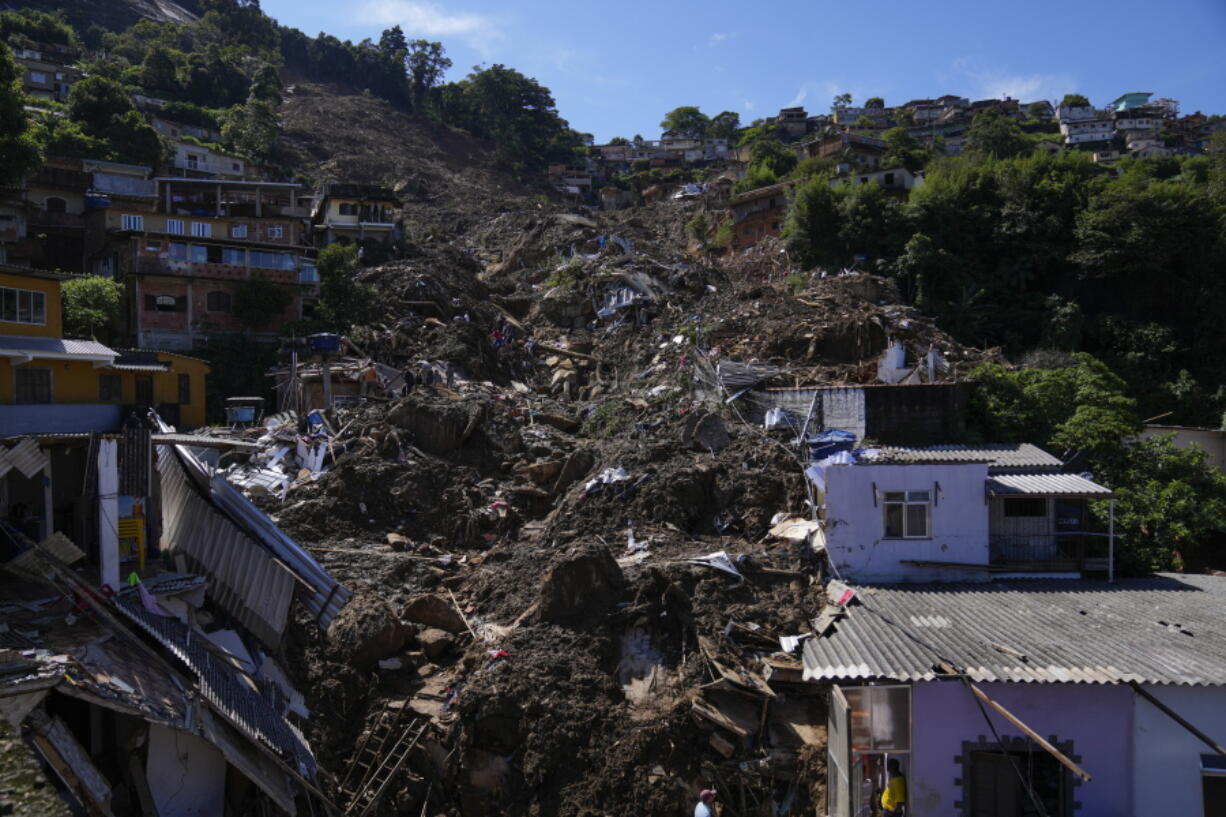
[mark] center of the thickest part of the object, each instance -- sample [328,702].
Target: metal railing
[1065,547]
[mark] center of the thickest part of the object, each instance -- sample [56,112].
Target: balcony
[1066,552]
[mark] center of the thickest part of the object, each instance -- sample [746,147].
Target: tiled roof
[1164,630]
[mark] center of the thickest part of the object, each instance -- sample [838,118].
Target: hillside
[115,15]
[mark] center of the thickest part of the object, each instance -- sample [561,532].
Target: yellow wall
[72,381]
[51,287]
[78,382]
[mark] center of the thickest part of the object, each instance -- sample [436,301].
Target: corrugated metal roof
[26,457]
[63,347]
[325,596]
[244,577]
[1072,485]
[140,367]
[1020,455]
[1164,630]
[205,441]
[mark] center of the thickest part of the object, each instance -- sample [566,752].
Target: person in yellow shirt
[894,798]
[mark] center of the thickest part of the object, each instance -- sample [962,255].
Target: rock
[391,663]
[563,307]
[705,432]
[582,588]
[367,630]
[574,469]
[433,611]
[397,541]
[435,642]
[542,473]
[437,426]
[558,421]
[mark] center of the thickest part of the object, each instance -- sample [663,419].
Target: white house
[1124,683]
[955,513]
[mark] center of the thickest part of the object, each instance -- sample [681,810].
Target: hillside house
[194,161]
[759,213]
[1091,698]
[354,213]
[175,131]
[1212,441]
[897,179]
[956,513]
[864,151]
[47,71]
[792,121]
[185,262]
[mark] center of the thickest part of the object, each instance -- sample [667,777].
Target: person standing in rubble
[706,804]
[894,798]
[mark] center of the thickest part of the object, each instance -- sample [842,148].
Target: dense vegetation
[223,73]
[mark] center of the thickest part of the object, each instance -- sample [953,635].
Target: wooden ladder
[379,758]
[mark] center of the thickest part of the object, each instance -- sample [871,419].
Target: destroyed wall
[918,414]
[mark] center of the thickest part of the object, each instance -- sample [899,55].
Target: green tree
[874,102]
[619,140]
[811,233]
[92,307]
[686,121]
[258,302]
[902,150]
[1082,407]
[18,150]
[724,125]
[863,122]
[991,134]
[344,301]
[1074,101]
[104,112]
[757,176]
[1169,506]
[427,63]
[841,102]
[159,71]
[769,154]
[1037,110]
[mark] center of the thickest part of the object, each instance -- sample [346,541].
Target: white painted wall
[187,775]
[1166,757]
[855,526]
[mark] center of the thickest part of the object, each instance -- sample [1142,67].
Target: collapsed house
[143,663]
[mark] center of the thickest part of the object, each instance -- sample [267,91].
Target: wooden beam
[1173,715]
[1030,733]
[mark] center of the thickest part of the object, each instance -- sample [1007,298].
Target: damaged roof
[1163,630]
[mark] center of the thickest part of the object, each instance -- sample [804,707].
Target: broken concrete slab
[705,432]
[434,611]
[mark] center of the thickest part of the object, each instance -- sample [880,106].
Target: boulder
[574,469]
[435,642]
[367,630]
[583,587]
[433,611]
[705,432]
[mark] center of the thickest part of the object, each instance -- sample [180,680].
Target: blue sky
[616,68]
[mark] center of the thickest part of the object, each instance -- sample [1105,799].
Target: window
[23,306]
[1213,784]
[130,221]
[1026,506]
[994,788]
[178,251]
[235,166]
[175,226]
[275,231]
[233,257]
[110,387]
[238,231]
[32,385]
[219,302]
[346,208]
[907,514]
[165,303]
[38,77]
[55,204]
[185,388]
[272,260]
[193,161]
[202,229]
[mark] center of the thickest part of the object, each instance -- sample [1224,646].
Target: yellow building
[52,384]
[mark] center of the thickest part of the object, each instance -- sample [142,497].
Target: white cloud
[799,99]
[992,82]
[749,105]
[718,38]
[428,20]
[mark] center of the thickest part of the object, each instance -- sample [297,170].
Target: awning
[19,349]
[1066,485]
